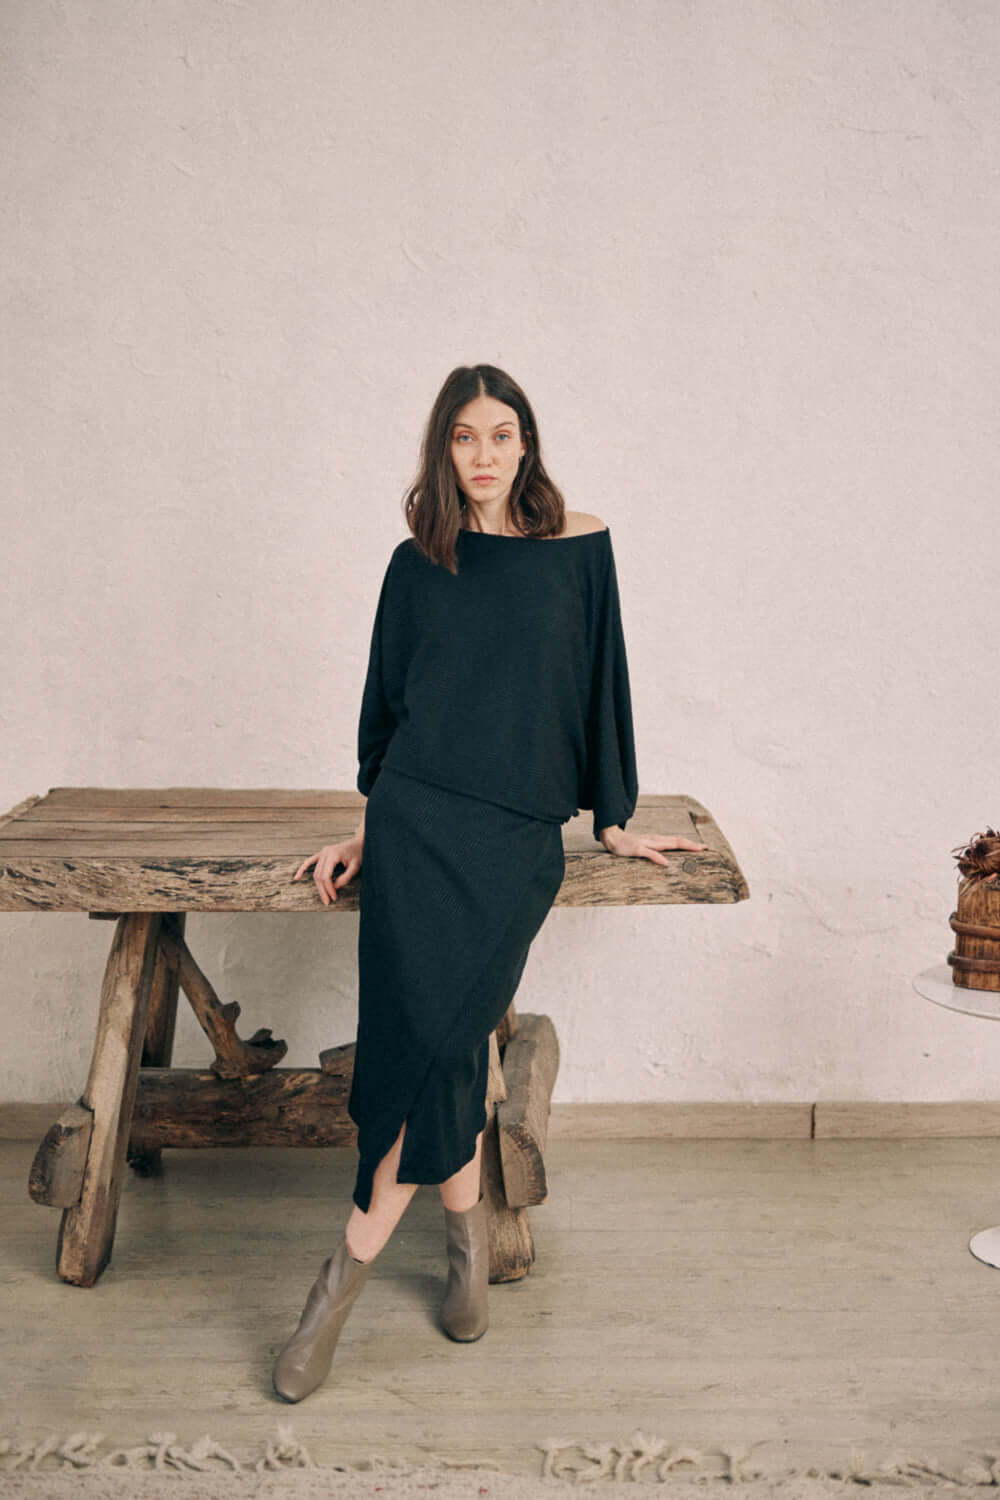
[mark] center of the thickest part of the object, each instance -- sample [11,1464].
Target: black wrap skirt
[453,892]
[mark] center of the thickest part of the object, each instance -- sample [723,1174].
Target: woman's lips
[483,479]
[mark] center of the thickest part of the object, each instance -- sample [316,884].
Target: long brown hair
[434,505]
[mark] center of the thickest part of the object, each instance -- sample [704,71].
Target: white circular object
[986,1246]
[936,984]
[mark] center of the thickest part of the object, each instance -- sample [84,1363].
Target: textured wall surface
[743,258]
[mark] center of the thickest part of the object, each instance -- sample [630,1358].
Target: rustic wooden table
[146,858]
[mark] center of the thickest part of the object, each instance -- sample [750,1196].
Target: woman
[496,704]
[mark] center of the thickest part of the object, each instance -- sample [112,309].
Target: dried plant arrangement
[979,859]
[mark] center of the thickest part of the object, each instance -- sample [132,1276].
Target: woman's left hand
[645,845]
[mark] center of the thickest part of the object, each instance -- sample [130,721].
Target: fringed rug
[87,1467]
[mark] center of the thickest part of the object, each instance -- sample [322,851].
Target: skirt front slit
[453,891]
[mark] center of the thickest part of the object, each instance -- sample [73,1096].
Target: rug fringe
[641,1457]
[286,1453]
[161,1453]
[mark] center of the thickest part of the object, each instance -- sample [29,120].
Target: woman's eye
[503,435]
[461,437]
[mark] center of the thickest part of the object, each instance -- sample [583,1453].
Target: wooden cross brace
[234,1058]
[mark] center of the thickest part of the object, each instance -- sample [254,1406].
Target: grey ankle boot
[463,1312]
[304,1362]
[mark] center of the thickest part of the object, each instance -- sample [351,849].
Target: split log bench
[145,858]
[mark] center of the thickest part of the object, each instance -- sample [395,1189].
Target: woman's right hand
[348,853]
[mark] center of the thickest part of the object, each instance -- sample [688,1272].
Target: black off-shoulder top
[508,681]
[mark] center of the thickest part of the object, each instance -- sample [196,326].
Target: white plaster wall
[743,258]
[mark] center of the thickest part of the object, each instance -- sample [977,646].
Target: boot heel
[304,1362]
[464,1313]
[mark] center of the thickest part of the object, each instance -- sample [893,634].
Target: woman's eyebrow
[489,429]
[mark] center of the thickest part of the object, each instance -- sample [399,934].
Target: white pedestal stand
[936,984]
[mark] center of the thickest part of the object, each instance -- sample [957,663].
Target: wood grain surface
[173,849]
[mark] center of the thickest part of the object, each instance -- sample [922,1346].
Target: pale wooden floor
[816,1297]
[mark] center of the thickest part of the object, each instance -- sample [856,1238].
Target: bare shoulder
[579,522]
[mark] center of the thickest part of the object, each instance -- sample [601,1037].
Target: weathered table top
[101,849]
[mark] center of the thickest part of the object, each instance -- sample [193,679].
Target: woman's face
[486,448]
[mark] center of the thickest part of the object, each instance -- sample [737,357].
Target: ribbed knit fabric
[508,681]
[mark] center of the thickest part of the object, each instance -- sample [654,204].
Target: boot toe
[292,1378]
[464,1330]
[287,1395]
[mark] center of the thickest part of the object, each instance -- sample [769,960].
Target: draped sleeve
[383,691]
[611,784]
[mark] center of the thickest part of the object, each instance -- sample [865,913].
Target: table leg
[88,1228]
[161,1020]
[508,1026]
[512,1249]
